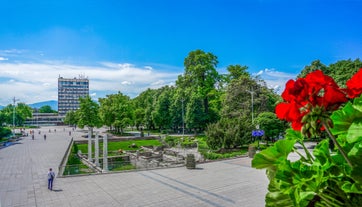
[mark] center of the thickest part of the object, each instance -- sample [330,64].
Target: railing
[76,169]
[65,158]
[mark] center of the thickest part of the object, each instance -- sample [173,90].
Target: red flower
[333,98]
[304,94]
[290,112]
[354,85]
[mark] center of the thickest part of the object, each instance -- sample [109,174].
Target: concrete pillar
[96,150]
[105,153]
[89,144]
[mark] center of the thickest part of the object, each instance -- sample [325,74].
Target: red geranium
[354,85]
[304,94]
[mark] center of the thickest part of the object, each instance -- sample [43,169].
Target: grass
[124,145]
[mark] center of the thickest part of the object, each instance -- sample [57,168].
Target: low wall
[65,158]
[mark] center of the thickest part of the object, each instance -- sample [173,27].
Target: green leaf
[357,104]
[275,197]
[343,118]
[352,187]
[321,152]
[354,133]
[272,156]
[292,134]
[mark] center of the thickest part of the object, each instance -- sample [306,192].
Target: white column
[96,150]
[105,153]
[89,144]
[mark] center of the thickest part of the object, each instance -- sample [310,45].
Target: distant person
[51,176]
[70,133]
[39,132]
[32,137]
[50,131]
[55,130]
[45,137]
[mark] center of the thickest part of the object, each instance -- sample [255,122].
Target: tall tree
[88,113]
[315,65]
[199,80]
[236,71]
[161,114]
[116,110]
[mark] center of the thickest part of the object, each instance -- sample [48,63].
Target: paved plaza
[23,180]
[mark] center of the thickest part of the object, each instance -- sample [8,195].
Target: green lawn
[124,145]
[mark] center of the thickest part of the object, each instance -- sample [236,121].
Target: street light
[183,123]
[252,104]
[14,100]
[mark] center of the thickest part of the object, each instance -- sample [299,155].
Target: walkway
[24,167]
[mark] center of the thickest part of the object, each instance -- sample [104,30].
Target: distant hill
[53,104]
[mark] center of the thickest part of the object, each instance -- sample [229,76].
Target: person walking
[45,137]
[51,176]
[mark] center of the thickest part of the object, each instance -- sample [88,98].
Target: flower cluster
[315,96]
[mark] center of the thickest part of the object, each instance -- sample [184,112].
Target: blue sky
[130,46]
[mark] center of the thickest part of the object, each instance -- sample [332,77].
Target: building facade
[69,92]
[44,119]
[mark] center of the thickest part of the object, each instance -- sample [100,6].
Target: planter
[190,161]
[251,151]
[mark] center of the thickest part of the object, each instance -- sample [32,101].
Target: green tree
[46,109]
[116,110]
[145,102]
[237,71]
[22,112]
[340,71]
[71,118]
[235,125]
[272,126]
[88,113]
[315,65]
[200,80]
[161,113]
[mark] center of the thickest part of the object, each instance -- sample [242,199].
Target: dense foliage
[46,109]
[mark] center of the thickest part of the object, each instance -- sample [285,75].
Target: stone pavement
[23,180]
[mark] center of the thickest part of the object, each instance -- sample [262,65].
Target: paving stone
[23,180]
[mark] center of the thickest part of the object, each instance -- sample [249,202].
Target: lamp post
[252,104]
[183,123]
[14,101]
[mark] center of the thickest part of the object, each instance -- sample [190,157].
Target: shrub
[4,132]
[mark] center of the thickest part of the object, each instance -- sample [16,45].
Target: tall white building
[69,92]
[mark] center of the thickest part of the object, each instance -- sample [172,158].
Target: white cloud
[33,82]
[126,83]
[3,58]
[275,79]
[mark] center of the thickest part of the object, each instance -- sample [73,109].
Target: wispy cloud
[34,82]
[2,58]
[275,79]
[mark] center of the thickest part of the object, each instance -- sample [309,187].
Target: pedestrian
[51,176]
[45,137]
[70,133]
[32,137]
